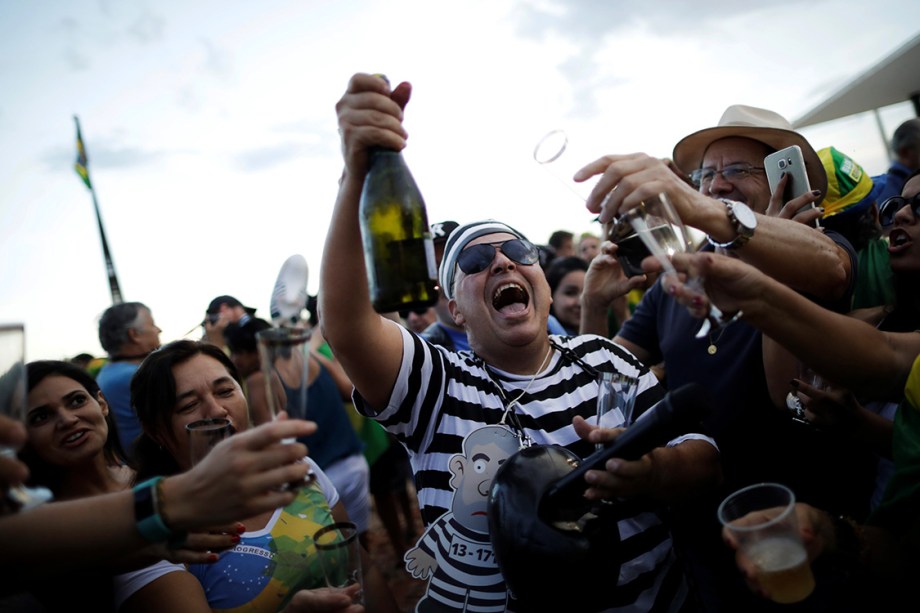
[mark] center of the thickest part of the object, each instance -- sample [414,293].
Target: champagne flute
[655,225]
[284,356]
[553,153]
[284,353]
[339,552]
[204,434]
[13,402]
[616,398]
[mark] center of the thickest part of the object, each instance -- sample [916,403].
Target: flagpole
[109,265]
[83,170]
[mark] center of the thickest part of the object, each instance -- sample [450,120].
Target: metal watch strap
[742,235]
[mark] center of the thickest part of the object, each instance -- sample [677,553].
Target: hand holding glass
[13,404]
[762,519]
[339,552]
[654,228]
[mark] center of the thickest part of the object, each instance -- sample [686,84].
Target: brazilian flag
[82,163]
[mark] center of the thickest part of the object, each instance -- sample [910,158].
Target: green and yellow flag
[82,163]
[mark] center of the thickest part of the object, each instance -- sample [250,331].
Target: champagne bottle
[398,248]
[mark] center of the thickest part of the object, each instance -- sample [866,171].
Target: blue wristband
[146,512]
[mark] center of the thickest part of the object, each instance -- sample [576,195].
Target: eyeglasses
[890,208]
[731,173]
[478,257]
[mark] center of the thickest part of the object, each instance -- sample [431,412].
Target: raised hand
[12,471]
[605,284]
[370,115]
[729,283]
[794,208]
[240,477]
[638,177]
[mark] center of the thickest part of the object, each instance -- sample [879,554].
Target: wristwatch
[743,221]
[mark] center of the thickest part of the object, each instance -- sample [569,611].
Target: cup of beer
[762,520]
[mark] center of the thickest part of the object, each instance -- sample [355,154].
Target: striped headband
[457,242]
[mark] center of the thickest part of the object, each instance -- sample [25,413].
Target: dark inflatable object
[555,549]
[548,567]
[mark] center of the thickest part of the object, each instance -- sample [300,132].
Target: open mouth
[510,298]
[73,438]
[898,240]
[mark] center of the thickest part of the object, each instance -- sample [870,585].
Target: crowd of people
[812,382]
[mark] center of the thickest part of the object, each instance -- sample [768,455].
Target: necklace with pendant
[713,349]
[509,418]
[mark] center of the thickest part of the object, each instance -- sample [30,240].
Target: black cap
[441,230]
[230,301]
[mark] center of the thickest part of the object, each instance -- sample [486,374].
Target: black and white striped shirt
[441,396]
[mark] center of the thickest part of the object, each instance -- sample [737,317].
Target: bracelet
[160,502]
[147,517]
[150,514]
[177,539]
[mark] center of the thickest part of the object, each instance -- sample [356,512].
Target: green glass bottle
[398,249]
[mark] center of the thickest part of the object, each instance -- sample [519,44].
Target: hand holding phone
[789,162]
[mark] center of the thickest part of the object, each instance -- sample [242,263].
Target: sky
[212,138]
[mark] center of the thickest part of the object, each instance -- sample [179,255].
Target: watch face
[744,215]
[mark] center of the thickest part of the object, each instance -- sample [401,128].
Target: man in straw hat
[729,199]
[516,376]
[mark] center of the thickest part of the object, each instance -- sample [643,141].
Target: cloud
[587,22]
[80,42]
[586,28]
[217,62]
[103,155]
[72,52]
[298,140]
[252,160]
[147,28]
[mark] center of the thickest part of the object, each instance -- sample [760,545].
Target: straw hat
[764,126]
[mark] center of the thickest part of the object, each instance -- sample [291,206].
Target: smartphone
[630,248]
[789,161]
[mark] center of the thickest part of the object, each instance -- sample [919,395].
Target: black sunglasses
[478,257]
[890,208]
